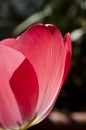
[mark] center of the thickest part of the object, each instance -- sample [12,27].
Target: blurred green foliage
[68,16]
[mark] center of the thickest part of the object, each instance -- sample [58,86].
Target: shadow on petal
[24,85]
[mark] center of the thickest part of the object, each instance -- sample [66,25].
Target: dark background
[68,16]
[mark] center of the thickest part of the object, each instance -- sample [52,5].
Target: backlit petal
[44,47]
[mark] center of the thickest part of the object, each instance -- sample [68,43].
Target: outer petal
[8,42]
[44,47]
[14,84]
[68,50]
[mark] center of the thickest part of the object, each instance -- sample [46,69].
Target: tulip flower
[33,68]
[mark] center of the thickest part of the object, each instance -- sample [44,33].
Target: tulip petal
[57,71]
[65,55]
[68,50]
[44,47]
[12,104]
[8,104]
[8,42]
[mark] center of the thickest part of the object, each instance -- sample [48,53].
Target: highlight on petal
[44,47]
[8,42]
[13,85]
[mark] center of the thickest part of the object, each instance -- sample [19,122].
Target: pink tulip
[33,68]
